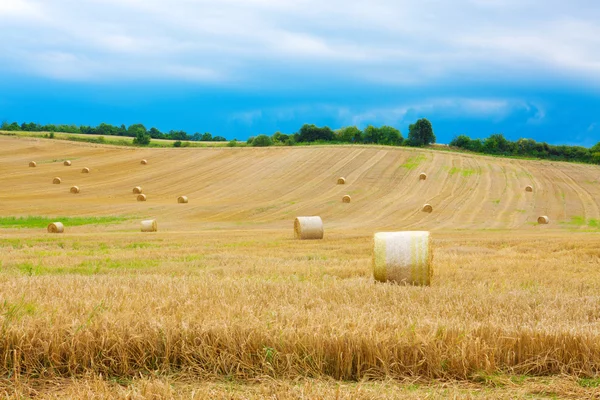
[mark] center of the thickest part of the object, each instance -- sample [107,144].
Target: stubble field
[223,302]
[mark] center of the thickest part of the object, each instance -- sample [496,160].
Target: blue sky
[238,68]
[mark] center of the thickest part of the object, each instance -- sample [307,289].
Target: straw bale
[75,189]
[141,197]
[529,188]
[137,190]
[423,176]
[543,220]
[67,163]
[86,170]
[144,162]
[182,199]
[346,199]
[149,226]
[341,181]
[32,164]
[56,181]
[56,227]
[403,257]
[427,208]
[308,228]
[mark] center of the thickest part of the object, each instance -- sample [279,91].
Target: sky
[238,68]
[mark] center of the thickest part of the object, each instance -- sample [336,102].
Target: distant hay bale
[67,163]
[308,228]
[423,176]
[341,181]
[149,226]
[86,170]
[182,199]
[144,162]
[427,208]
[56,181]
[75,189]
[346,199]
[543,220]
[32,164]
[137,190]
[56,227]
[529,188]
[403,257]
[141,197]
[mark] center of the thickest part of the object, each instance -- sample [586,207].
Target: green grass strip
[42,222]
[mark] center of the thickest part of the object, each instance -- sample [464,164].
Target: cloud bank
[255,42]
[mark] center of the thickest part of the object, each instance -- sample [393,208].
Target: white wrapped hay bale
[67,163]
[32,164]
[137,190]
[56,227]
[423,176]
[341,180]
[403,257]
[182,199]
[308,228]
[75,189]
[86,170]
[149,226]
[141,197]
[427,208]
[346,199]
[529,188]
[543,220]
[56,181]
[144,162]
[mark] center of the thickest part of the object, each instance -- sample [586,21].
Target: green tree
[421,133]
[262,141]
[390,136]
[349,134]
[142,138]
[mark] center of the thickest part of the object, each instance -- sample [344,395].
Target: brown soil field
[222,302]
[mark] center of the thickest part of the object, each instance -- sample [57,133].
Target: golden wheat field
[223,302]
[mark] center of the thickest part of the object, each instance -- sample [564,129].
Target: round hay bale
[56,181]
[75,189]
[529,188]
[427,208]
[144,162]
[32,164]
[543,220]
[423,176]
[86,170]
[308,228]
[137,190]
[141,197]
[182,199]
[67,163]
[346,199]
[341,181]
[149,226]
[403,257]
[56,227]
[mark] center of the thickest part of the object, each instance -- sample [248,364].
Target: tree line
[138,131]
[419,134]
[497,144]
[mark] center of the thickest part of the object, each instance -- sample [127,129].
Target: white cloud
[386,41]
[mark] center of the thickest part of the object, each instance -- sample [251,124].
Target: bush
[177,143]
[232,143]
[141,138]
[262,141]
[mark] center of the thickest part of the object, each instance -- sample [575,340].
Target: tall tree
[421,133]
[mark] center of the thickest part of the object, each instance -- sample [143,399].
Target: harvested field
[223,292]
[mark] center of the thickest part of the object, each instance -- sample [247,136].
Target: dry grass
[247,305]
[224,293]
